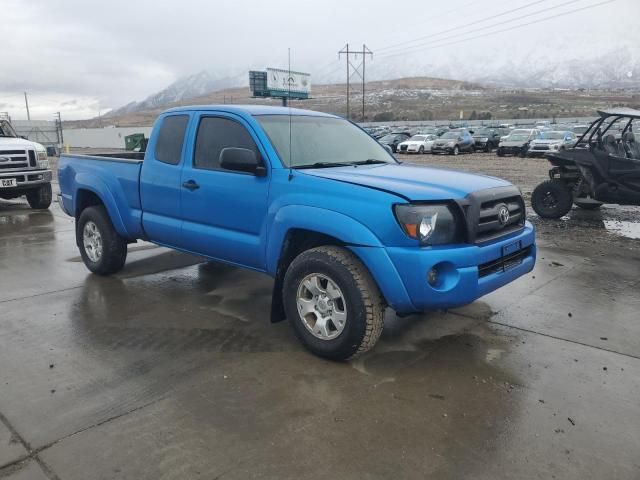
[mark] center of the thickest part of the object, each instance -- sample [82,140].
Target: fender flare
[97,186]
[320,220]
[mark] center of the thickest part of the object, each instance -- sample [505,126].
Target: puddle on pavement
[622,228]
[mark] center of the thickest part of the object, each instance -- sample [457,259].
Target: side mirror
[242,160]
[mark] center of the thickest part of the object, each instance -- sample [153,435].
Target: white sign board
[284,81]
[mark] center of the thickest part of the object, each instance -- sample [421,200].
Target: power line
[491,17]
[436,43]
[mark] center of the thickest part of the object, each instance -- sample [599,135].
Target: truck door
[160,188]
[223,211]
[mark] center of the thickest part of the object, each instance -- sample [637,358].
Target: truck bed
[113,177]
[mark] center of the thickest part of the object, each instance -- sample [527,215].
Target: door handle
[191,185]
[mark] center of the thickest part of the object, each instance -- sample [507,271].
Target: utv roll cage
[595,129]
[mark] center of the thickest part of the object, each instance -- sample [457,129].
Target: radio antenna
[289,105]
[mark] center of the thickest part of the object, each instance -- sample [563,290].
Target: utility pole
[59,125]
[26,102]
[358,69]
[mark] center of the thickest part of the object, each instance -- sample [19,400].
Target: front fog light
[432,277]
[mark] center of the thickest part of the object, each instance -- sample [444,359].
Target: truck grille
[17,159]
[486,213]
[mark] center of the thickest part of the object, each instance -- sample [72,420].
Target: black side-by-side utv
[599,168]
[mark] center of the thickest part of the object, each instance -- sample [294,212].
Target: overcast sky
[82,57]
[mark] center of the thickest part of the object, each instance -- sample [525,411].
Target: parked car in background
[453,142]
[417,144]
[551,142]
[392,140]
[579,129]
[486,139]
[24,169]
[517,142]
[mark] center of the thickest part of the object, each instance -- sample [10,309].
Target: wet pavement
[171,370]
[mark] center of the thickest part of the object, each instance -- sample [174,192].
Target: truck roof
[251,110]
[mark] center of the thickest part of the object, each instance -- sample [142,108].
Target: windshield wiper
[324,165]
[369,161]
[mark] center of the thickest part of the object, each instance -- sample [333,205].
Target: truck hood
[14,142]
[414,182]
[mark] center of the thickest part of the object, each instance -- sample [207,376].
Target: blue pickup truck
[311,199]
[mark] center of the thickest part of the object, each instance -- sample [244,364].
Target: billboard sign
[284,81]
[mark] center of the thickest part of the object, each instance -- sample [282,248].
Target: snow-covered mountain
[611,69]
[185,88]
[616,68]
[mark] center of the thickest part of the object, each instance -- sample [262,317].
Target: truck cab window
[171,138]
[215,134]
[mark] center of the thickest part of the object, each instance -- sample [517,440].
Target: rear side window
[215,134]
[171,138]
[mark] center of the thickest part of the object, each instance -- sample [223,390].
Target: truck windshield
[6,130]
[321,141]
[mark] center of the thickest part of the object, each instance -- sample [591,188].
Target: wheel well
[295,242]
[84,199]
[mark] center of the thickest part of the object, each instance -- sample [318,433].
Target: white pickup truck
[24,169]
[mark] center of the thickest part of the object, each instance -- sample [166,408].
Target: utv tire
[552,199]
[40,198]
[103,250]
[336,275]
[587,205]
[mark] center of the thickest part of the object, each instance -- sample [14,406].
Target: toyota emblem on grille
[503,215]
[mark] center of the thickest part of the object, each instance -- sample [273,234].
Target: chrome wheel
[92,241]
[321,306]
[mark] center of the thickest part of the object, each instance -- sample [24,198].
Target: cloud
[106,54]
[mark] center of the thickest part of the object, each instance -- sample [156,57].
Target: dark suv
[486,139]
[453,142]
[393,139]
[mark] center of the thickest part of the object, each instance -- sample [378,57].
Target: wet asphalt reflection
[171,369]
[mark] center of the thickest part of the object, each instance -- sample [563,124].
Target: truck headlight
[429,224]
[42,154]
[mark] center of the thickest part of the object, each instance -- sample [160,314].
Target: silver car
[551,142]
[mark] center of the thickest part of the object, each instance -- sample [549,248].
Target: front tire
[421,150]
[500,152]
[40,198]
[552,199]
[333,303]
[455,150]
[102,249]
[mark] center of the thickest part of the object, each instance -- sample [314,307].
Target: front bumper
[26,179]
[466,272]
[444,149]
[512,150]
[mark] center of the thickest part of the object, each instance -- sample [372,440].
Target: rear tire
[102,249]
[353,295]
[40,198]
[552,199]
